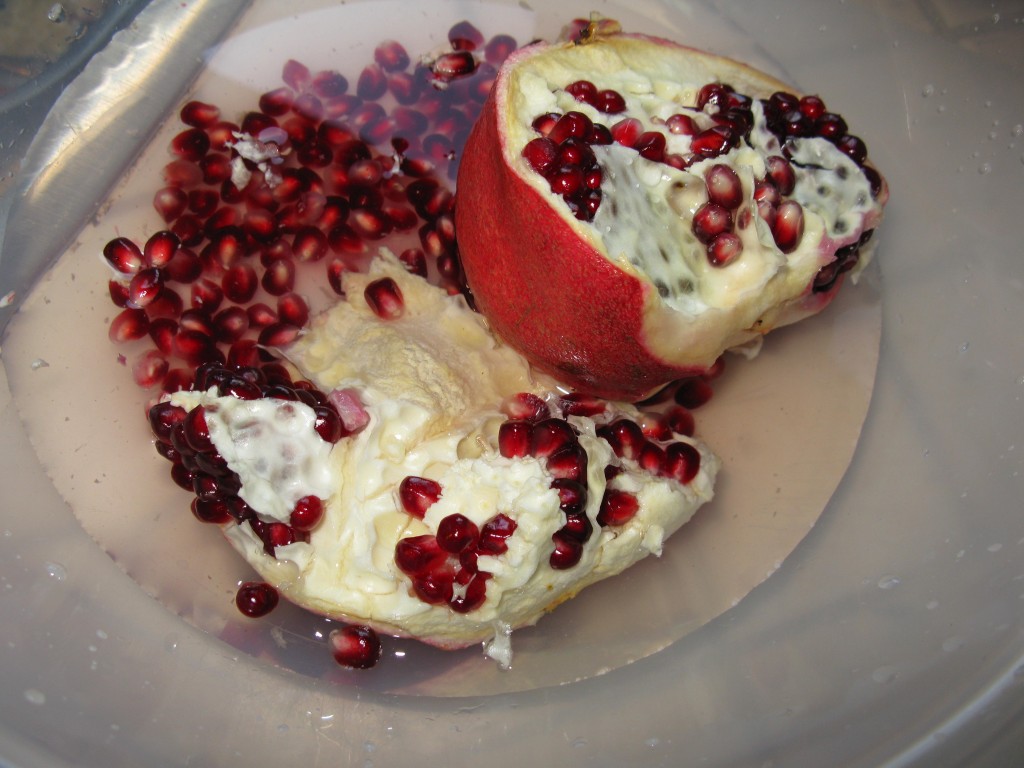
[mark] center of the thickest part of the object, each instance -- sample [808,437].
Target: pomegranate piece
[417,494]
[545,268]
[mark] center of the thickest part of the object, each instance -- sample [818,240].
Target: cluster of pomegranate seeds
[443,566]
[722,119]
[309,183]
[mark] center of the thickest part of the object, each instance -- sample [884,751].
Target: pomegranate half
[629,208]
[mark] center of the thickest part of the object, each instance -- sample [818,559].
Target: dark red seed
[128,325]
[255,599]
[473,596]
[279,334]
[123,255]
[229,324]
[713,142]
[567,553]
[682,125]
[416,555]
[279,277]
[541,154]
[514,439]
[199,114]
[296,75]
[170,203]
[417,494]
[464,36]
[572,495]
[144,287]
[853,148]
[163,417]
[651,145]
[494,535]
[725,249]
[789,225]
[693,393]
[570,125]
[624,436]
[307,513]
[682,462]
[549,436]
[372,83]
[526,406]
[582,90]
[293,309]
[328,424]
[456,532]
[680,421]
[498,48]
[617,507]
[448,66]
[780,173]
[385,298]
[711,220]
[211,510]
[831,126]
[578,404]
[191,144]
[610,102]
[812,107]
[724,187]
[356,647]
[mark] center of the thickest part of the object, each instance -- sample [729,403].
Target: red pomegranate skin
[531,290]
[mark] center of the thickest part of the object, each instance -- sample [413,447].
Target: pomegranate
[629,208]
[463,496]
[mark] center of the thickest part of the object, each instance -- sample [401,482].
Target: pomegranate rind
[545,280]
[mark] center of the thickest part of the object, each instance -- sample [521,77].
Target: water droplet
[965,346]
[653,742]
[953,643]
[39,363]
[171,643]
[56,571]
[995,547]
[101,634]
[888,582]
[579,743]
[1018,130]
[56,14]
[884,674]
[931,605]
[928,90]
[33,696]
[283,728]
[985,168]
[369,746]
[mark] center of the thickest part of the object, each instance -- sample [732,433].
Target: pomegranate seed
[627,131]
[328,424]
[417,494]
[456,532]
[681,125]
[329,84]
[276,102]
[713,142]
[724,249]
[494,535]
[417,555]
[781,174]
[651,145]
[391,56]
[567,553]
[716,94]
[123,255]
[279,277]
[693,393]
[296,75]
[118,292]
[448,66]
[293,309]
[549,436]
[229,324]
[144,287]
[356,647]
[680,421]
[335,270]
[307,513]
[570,125]
[724,187]
[195,431]
[853,148]
[189,229]
[149,369]
[177,380]
[582,90]
[652,458]
[624,436]
[191,144]
[617,507]
[541,154]
[569,462]
[572,495]
[498,48]
[463,36]
[170,203]
[682,462]
[206,296]
[128,325]
[781,102]
[260,315]
[566,181]
[163,417]
[472,597]
[514,439]
[211,510]
[256,599]
[526,406]
[831,126]
[385,298]
[711,220]
[789,225]
[279,334]
[199,114]
[610,102]
[812,107]
[372,83]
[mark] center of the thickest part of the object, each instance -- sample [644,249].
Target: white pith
[432,383]
[647,207]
